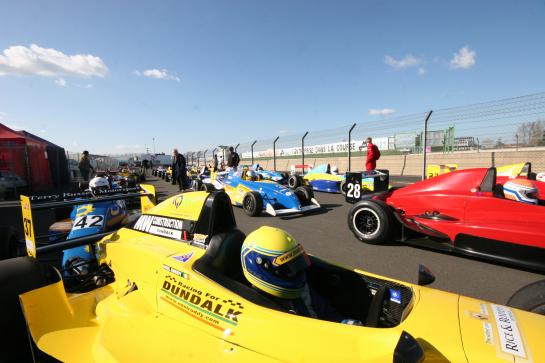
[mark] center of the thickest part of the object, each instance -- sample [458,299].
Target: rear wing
[145,192]
[354,192]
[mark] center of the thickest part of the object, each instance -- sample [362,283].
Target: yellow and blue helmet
[274,262]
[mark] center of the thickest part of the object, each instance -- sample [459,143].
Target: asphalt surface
[325,234]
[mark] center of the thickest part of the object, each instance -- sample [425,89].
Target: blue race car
[256,196]
[275,176]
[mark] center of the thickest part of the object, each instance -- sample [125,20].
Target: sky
[119,76]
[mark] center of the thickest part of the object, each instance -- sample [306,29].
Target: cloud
[465,58]
[408,61]
[60,82]
[421,71]
[49,62]
[381,112]
[15,127]
[158,74]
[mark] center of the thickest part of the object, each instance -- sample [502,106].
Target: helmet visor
[292,262]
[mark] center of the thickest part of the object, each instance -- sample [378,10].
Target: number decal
[354,191]
[88,221]
[27,223]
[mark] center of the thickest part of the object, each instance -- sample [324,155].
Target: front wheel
[294,181]
[342,187]
[207,187]
[530,298]
[252,203]
[370,221]
[304,194]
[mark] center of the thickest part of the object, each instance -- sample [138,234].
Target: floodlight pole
[252,147]
[274,152]
[303,151]
[350,147]
[425,144]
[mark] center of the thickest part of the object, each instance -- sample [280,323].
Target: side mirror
[425,276]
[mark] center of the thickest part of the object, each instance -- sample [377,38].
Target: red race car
[465,211]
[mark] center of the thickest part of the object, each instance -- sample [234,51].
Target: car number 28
[353,191]
[353,187]
[88,221]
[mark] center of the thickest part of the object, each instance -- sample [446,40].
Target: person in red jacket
[373,154]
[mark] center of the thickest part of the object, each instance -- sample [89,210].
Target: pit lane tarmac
[325,234]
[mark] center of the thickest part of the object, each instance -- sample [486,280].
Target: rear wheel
[342,187]
[370,221]
[530,298]
[304,194]
[252,203]
[294,181]
[196,184]
[9,244]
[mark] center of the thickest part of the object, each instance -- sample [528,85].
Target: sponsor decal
[201,238]
[204,306]
[395,296]
[508,331]
[176,272]
[184,258]
[288,256]
[178,201]
[160,226]
[488,335]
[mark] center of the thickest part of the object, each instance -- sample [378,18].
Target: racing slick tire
[370,221]
[530,298]
[252,203]
[17,276]
[342,187]
[304,194]
[9,243]
[196,184]
[295,181]
[207,187]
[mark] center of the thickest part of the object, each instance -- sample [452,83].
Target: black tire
[17,276]
[304,194]
[294,181]
[530,298]
[285,176]
[342,187]
[252,203]
[9,244]
[370,221]
[207,187]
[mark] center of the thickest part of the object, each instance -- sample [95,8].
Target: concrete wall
[412,164]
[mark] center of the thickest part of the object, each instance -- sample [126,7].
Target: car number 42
[89,221]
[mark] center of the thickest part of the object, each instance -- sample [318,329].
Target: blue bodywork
[279,198]
[269,174]
[90,219]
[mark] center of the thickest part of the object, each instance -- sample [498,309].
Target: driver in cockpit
[275,263]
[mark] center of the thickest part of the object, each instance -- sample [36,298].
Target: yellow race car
[170,288]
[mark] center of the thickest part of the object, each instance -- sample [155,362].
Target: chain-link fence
[479,135]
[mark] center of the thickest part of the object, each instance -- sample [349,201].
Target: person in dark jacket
[179,170]
[233,159]
[85,166]
[216,162]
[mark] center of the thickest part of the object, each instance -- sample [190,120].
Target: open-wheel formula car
[464,211]
[324,178]
[170,288]
[255,195]
[272,175]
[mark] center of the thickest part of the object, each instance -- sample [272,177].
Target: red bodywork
[463,203]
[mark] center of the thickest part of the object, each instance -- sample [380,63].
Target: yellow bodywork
[435,170]
[512,170]
[159,309]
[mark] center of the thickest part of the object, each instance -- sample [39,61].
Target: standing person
[233,159]
[145,166]
[85,166]
[373,154]
[179,170]
[215,162]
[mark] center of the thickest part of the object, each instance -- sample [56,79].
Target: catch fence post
[252,147]
[236,147]
[425,144]
[350,147]
[303,151]
[274,152]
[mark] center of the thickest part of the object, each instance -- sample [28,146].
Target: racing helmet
[274,262]
[521,190]
[540,176]
[334,169]
[98,185]
[251,175]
